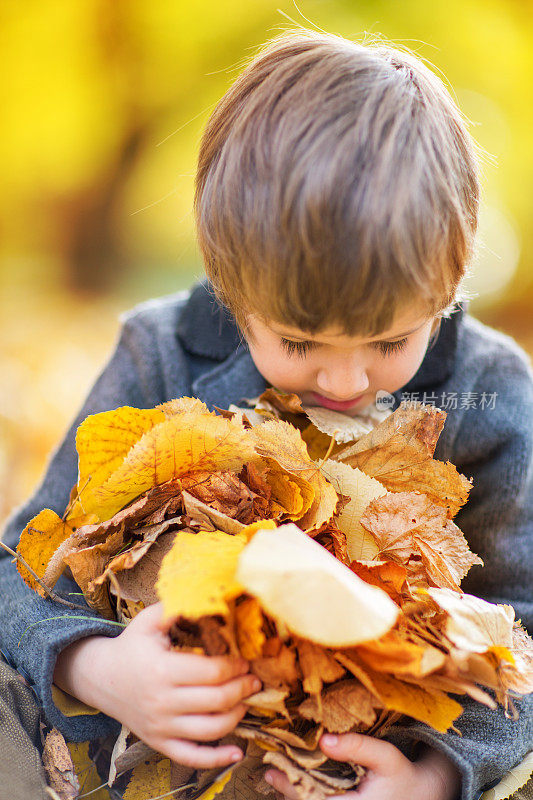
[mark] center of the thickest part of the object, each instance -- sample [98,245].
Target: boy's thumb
[356,748]
[151,618]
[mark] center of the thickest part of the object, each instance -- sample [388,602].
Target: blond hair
[337,184]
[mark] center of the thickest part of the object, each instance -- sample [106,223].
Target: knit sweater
[187,344]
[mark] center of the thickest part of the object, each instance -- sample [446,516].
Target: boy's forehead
[403,325]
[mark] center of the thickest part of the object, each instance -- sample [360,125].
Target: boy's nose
[342,381]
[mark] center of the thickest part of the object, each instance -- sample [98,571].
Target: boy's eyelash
[386,348]
[302,348]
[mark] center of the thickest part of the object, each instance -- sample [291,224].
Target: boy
[336,205]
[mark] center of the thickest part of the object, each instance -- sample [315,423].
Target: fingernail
[329,740]
[243,665]
[236,756]
[268,778]
[256,684]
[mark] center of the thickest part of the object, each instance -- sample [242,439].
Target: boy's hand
[390,776]
[170,700]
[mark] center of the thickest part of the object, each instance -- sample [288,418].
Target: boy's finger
[279,781]
[204,727]
[379,756]
[192,669]
[191,754]
[212,699]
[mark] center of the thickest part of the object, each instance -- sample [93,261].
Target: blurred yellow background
[103,105]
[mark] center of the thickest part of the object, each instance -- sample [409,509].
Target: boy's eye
[386,348]
[300,348]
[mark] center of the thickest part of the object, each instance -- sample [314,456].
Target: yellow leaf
[249,623]
[281,443]
[217,785]
[395,654]
[38,542]
[433,707]
[182,405]
[150,778]
[86,771]
[261,525]
[197,576]
[103,441]
[182,444]
[361,489]
[70,706]
[298,582]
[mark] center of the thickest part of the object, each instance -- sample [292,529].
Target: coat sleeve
[494,447]
[34,630]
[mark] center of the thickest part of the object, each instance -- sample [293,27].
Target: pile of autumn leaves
[320,548]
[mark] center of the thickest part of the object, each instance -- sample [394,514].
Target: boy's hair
[337,185]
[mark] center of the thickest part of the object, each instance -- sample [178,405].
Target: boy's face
[334,370]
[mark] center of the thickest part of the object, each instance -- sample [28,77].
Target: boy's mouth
[335,405]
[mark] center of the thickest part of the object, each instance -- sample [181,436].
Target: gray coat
[187,345]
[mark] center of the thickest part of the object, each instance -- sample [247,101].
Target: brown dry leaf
[247,781]
[306,785]
[386,575]
[268,702]
[208,517]
[87,564]
[281,444]
[269,739]
[287,403]
[135,587]
[341,708]
[318,666]
[361,489]
[432,707]
[197,576]
[249,628]
[127,559]
[181,444]
[399,454]
[298,582]
[407,523]
[59,767]
[309,741]
[39,540]
[419,426]
[279,671]
[144,509]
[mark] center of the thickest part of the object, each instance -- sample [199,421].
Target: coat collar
[207,329]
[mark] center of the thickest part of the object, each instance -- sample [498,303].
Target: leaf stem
[49,592]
